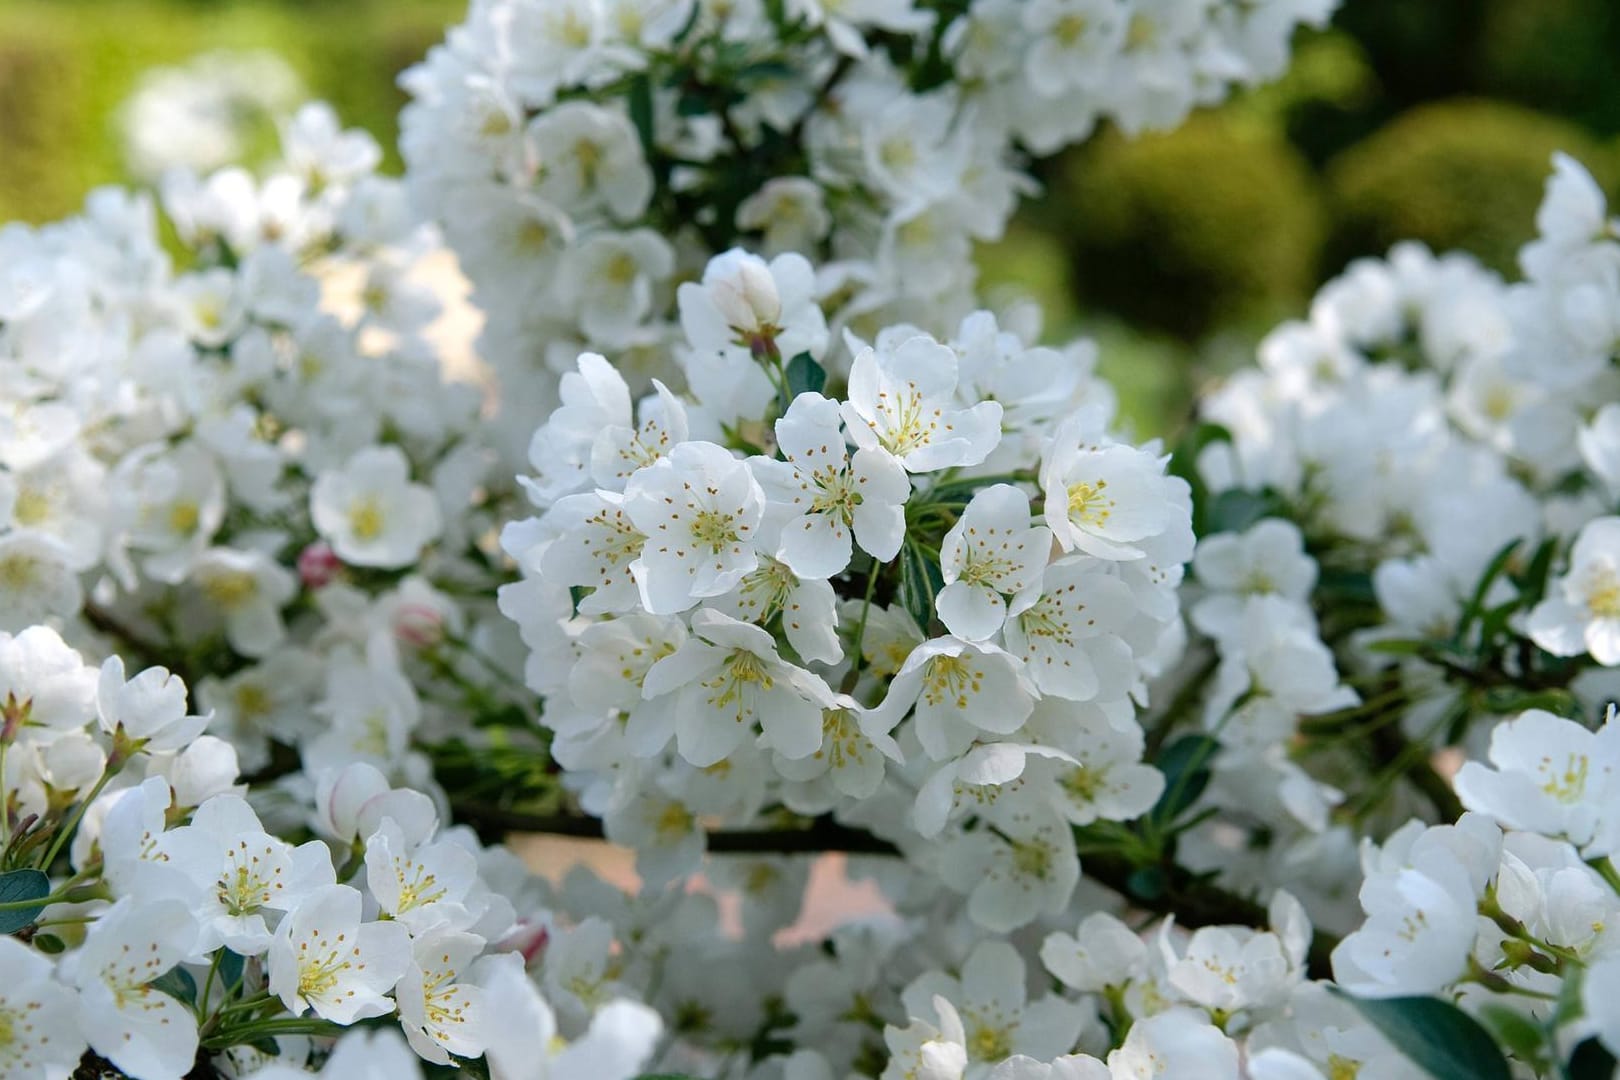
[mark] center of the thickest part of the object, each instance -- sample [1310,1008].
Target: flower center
[31,507]
[183,516]
[18,571]
[1031,859]
[952,679]
[715,530]
[231,590]
[1088,505]
[1568,786]
[365,519]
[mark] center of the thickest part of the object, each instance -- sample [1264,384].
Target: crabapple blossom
[989,557]
[699,509]
[822,495]
[39,1015]
[727,680]
[370,511]
[1582,612]
[324,959]
[1551,776]
[135,1025]
[901,401]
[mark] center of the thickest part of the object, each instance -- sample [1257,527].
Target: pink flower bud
[418,625]
[318,564]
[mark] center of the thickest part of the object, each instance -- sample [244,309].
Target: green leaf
[178,984]
[641,111]
[230,969]
[49,944]
[1590,1061]
[1436,1036]
[1476,604]
[920,582]
[1513,1030]
[18,887]
[1146,883]
[805,376]
[1397,647]
[1185,764]
[1235,509]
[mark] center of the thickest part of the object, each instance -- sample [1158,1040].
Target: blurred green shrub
[67,65]
[1555,55]
[1457,174]
[1219,221]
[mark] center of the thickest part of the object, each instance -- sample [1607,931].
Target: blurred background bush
[1428,119]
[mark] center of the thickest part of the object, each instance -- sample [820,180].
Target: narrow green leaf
[1476,603]
[1436,1036]
[18,887]
[230,970]
[805,376]
[641,111]
[1185,764]
[920,582]
[1397,647]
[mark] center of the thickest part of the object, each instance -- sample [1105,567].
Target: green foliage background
[1424,119]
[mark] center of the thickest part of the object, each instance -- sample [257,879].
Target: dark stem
[1194,901]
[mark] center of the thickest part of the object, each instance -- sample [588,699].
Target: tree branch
[1193,900]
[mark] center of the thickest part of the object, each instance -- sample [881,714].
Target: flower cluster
[250,467]
[928,603]
[161,923]
[1512,907]
[582,154]
[809,555]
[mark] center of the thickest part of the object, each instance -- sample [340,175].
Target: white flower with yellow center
[998,1019]
[370,511]
[902,400]
[1104,499]
[244,876]
[172,503]
[1074,43]
[441,1014]
[822,495]
[249,589]
[139,1028]
[1025,868]
[1581,613]
[990,555]
[808,609]
[1267,559]
[850,761]
[1551,776]
[39,1028]
[726,682]
[422,886]
[1071,637]
[323,958]
[611,281]
[960,689]
[699,508]
[595,544]
[37,582]
[590,159]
